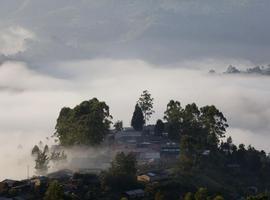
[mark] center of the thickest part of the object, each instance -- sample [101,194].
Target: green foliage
[187,154]
[13,192]
[189,196]
[201,194]
[191,122]
[137,121]
[35,150]
[54,192]
[259,197]
[124,164]
[93,193]
[174,117]
[123,198]
[159,127]
[215,123]
[122,173]
[41,159]
[86,124]
[118,126]
[219,197]
[206,125]
[43,156]
[58,157]
[160,196]
[146,104]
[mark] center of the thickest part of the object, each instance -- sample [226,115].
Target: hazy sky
[59,53]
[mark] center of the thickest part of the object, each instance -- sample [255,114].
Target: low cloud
[13,40]
[32,112]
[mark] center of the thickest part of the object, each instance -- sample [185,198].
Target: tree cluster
[206,125]
[121,175]
[86,124]
[43,156]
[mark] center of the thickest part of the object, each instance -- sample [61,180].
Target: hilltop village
[185,155]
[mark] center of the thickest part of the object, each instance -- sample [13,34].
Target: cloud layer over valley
[59,53]
[30,101]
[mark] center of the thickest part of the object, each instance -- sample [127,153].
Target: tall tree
[137,121]
[86,124]
[146,104]
[191,116]
[215,123]
[174,117]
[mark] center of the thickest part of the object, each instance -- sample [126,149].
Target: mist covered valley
[31,101]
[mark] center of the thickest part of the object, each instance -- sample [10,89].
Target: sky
[59,53]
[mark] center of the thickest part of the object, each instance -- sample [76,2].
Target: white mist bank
[15,155]
[17,163]
[30,101]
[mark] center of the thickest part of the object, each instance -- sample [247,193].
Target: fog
[30,101]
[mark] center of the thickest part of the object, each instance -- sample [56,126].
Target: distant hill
[258,70]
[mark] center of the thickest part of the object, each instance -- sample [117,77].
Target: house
[130,137]
[152,177]
[149,130]
[23,187]
[134,194]
[86,178]
[170,150]
[10,183]
[61,175]
[150,155]
[39,181]
[206,152]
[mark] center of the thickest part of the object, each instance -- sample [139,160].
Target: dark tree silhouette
[137,121]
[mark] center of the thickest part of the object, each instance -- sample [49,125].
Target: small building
[10,183]
[170,150]
[152,177]
[149,130]
[39,181]
[23,187]
[134,194]
[61,175]
[128,137]
[206,152]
